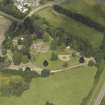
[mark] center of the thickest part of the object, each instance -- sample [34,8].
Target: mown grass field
[72,27]
[65,88]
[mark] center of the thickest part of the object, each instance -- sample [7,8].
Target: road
[29,15]
[31,12]
[43,7]
[39,8]
[100,96]
[10,16]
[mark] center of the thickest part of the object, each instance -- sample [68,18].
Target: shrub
[65,64]
[45,63]
[15,86]
[45,73]
[49,103]
[91,63]
[81,60]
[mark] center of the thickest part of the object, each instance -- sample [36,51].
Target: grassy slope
[72,26]
[86,8]
[65,88]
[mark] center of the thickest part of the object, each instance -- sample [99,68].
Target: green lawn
[72,27]
[65,88]
[38,58]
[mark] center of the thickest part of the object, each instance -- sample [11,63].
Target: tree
[45,63]
[45,73]
[28,69]
[28,74]
[65,64]
[49,103]
[81,60]
[28,25]
[91,63]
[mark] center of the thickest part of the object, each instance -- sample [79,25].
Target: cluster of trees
[78,17]
[101,51]
[19,58]
[81,44]
[18,81]
[15,86]
[8,7]
[100,59]
[31,26]
[49,103]
[45,73]
[100,64]
[4,62]
[34,25]
[63,39]
[19,55]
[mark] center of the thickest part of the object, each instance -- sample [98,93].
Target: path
[39,8]
[39,69]
[29,15]
[100,96]
[42,7]
[31,12]
[10,16]
[69,68]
